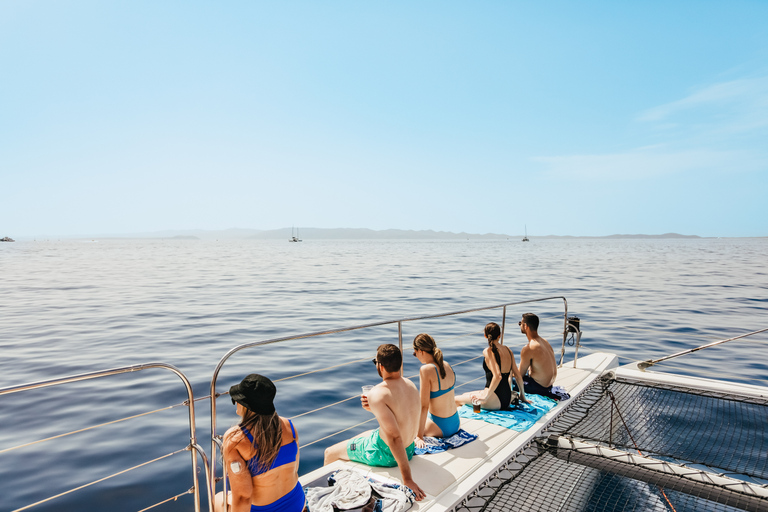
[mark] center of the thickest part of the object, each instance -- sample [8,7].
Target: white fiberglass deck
[449,476]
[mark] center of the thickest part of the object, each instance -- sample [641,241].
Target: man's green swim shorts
[370,449]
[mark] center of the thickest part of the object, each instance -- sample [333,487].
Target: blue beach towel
[440,444]
[520,418]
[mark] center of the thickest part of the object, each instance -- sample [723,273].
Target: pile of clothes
[350,490]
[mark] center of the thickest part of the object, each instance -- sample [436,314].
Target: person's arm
[525,360]
[297,450]
[424,387]
[239,477]
[389,431]
[518,377]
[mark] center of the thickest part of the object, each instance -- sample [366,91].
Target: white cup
[366,389]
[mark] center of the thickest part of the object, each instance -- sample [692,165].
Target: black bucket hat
[256,393]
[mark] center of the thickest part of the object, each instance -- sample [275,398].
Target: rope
[336,433]
[99,480]
[706,372]
[616,405]
[467,361]
[646,364]
[323,407]
[88,428]
[317,371]
[469,382]
[173,498]
[457,337]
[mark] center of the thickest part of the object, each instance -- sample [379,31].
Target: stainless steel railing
[193,446]
[643,365]
[216,443]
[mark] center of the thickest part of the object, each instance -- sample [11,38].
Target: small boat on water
[7,239]
[525,238]
[627,438]
[294,237]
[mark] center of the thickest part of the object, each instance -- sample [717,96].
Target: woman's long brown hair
[267,432]
[492,333]
[426,343]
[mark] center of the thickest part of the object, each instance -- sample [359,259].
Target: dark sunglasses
[374,361]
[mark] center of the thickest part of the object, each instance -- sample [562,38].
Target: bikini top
[286,455]
[489,373]
[440,391]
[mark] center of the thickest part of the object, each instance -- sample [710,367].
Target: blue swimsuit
[450,425]
[293,501]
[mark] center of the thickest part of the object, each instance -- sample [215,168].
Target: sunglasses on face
[374,361]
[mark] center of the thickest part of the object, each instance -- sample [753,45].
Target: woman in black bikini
[498,390]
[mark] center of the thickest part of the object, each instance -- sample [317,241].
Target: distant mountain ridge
[349,234]
[643,237]
[370,234]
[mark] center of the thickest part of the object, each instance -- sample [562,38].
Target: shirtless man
[537,359]
[397,406]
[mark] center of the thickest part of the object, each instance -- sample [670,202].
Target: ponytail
[438,355]
[426,343]
[492,333]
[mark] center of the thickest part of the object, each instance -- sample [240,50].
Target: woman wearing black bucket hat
[261,453]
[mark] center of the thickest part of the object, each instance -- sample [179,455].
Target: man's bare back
[537,358]
[401,397]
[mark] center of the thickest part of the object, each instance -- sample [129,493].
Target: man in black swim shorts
[537,360]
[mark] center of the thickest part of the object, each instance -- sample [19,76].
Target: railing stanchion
[565,332]
[576,352]
[503,323]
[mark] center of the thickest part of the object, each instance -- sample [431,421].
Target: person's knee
[333,453]
[218,502]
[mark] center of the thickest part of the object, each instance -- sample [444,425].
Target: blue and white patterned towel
[440,444]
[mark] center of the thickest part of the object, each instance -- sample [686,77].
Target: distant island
[643,237]
[309,234]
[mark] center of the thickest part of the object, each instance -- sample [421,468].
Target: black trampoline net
[714,433]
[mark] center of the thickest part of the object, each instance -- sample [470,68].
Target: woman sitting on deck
[261,453]
[497,394]
[439,417]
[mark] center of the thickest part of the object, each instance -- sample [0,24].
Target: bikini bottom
[448,426]
[292,502]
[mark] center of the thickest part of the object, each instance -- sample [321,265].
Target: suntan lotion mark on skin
[236,467]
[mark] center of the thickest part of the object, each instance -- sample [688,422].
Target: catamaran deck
[448,477]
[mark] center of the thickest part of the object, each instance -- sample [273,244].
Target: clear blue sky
[573,118]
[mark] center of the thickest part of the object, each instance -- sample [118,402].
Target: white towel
[394,497]
[351,490]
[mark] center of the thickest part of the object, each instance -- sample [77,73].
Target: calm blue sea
[70,307]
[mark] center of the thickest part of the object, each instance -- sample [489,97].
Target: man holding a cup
[397,406]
